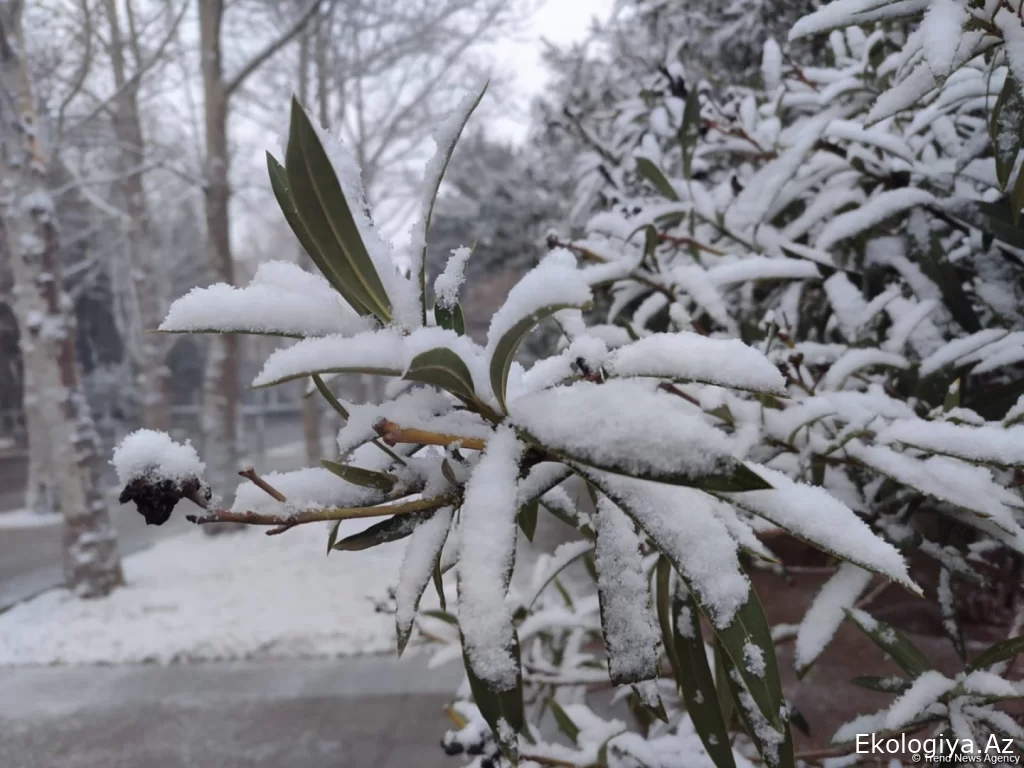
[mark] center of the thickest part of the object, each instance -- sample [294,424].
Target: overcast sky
[561,22]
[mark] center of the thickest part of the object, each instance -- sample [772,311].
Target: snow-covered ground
[23,518]
[198,598]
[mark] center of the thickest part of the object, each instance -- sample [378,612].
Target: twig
[283,523]
[250,475]
[669,387]
[688,242]
[392,434]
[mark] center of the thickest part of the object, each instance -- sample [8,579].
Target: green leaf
[748,627]
[564,722]
[997,219]
[451,319]
[417,581]
[495,706]
[1017,198]
[698,684]
[528,518]
[646,168]
[507,346]
[442,615]
[895,685]
[777,754]
[439,585]
[894,643]
[328,395]
[365,478]
[937,267]
[730,476]
[327,218]
[663,603]
[994,654]
[445,369]
[689,133]
[280,185]
[384,532]
[435,183]
[333,537]
[1007,128]
[950,619]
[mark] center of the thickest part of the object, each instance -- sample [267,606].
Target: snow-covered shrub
[857,221]
[469,446]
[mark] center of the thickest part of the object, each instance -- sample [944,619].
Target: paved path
[377,712]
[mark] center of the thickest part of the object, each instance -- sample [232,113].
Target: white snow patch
[147,453]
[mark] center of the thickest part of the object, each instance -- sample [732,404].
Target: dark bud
[736,186]
[452,747]
[155,499]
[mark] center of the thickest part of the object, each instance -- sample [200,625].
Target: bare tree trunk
[220,382]
[40,489]
[155,375]
[46,322]
[310,405]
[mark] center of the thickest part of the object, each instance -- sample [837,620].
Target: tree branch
[282,523]
[393,434]
[273,47]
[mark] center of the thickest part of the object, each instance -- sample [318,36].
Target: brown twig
[250,475]
[669,387]
[283,523]
[392,434]
[688,242]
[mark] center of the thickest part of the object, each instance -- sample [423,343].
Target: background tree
[46,325]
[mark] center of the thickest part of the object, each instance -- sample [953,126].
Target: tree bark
[310,405]
[220,382]
[148,284]
[44,313]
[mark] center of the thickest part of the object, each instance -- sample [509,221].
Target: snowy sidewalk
[370,711]
[199,598]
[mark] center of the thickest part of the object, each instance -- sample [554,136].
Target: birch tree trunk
[155,375]
[220,381]
[46,325]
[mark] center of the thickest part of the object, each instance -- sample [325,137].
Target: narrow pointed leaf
[452,319]
[894,685]
[774,741]
[630,635]
[528,518]
[564,722]
[698,684]
[650,171]
[505,350]
[894,643]
[392,529]
[327,217]
[663,603]
[366,478]
[435,174]
[445,369]
[419,566]
[1003,651]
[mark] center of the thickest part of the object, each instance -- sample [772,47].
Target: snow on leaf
[845,13]
[552,285]
[953,350]
[827,612]
[857,360]
[421,556]
[447,284]
[941,32]
[968,487]
[639,433]
[810,513]
[486,553]
[372,352]
[988,445]
[927,689]
[445,139]
[696,542]
[630,634]
[692,357]
[877,209]
[282,299]
[309,488]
